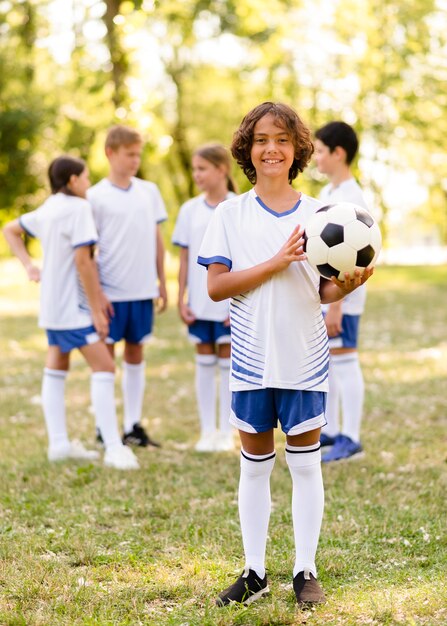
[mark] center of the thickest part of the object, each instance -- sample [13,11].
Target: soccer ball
[342,237]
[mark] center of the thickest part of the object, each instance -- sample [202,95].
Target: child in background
[208,322]
[65,226]
[128,212]
[253,249]
[336,145]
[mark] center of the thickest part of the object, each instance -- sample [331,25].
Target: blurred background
[184,72]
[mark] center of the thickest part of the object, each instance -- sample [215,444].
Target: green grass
[86,545]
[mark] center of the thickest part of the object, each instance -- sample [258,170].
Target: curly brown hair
[285,117]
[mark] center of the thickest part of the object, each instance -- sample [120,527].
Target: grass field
[80,544]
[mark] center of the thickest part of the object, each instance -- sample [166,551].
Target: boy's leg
[352,390]
[303,456]
[103,399]
[133,384]
[257,461]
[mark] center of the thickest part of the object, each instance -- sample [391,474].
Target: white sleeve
[30,223]
[159,206]
[215,247]
[181,234]
[83,232]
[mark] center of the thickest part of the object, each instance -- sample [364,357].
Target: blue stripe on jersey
[242,370]
[243,344]
[161,220]
[85,243]
[241,335]
[239,324]
[181,245]
[245,355]
[237,316]
[244,361]
[264,206]
[214,259]
[246,380]
[28,232]
[321,373]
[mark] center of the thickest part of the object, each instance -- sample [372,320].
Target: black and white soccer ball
[342,237]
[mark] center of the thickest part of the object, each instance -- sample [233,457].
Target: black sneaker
[99,438]
[307,589]
[139,437]
[248,588]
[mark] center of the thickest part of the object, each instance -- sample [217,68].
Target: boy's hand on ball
[291,251]
[352,282]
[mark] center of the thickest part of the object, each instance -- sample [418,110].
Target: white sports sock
[225,395]
[133,384]
[206,391]
[53,404]
[332,413]
[103,401]
[352,392]
[307,503]
[255,506]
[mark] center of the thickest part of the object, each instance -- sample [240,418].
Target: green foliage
[379,66]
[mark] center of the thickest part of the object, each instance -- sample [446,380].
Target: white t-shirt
[62,224]
[278,335]
[127,220]
[192,222]
[347,191]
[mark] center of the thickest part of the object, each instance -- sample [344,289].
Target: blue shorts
[259,410]
[348,338]
[132,321]
[68,340]
[205,331]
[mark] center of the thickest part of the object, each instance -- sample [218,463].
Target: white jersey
[347,191]
[62,224]
[192,222]
[127,220]
[278,335]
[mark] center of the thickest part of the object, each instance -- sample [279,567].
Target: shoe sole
[355,456]
[249,600]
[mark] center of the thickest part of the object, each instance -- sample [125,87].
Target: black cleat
[139,437]
[248,588]
[307,589]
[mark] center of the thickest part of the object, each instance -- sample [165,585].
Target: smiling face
[272,152]
[206,175]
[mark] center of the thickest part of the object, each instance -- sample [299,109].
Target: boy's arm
[88,274]
[334,290]
[13,234]
[185,312]
[223,284]
[333,318]
[160,260]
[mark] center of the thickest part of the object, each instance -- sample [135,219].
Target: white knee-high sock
[352,391]
[206,391]
[332,414]
[53,404]
[254,507]
[103,401]
[133,384]
[307,503]
[225,395]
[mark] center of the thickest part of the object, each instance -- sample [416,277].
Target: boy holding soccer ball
[336,145]
[253,249]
